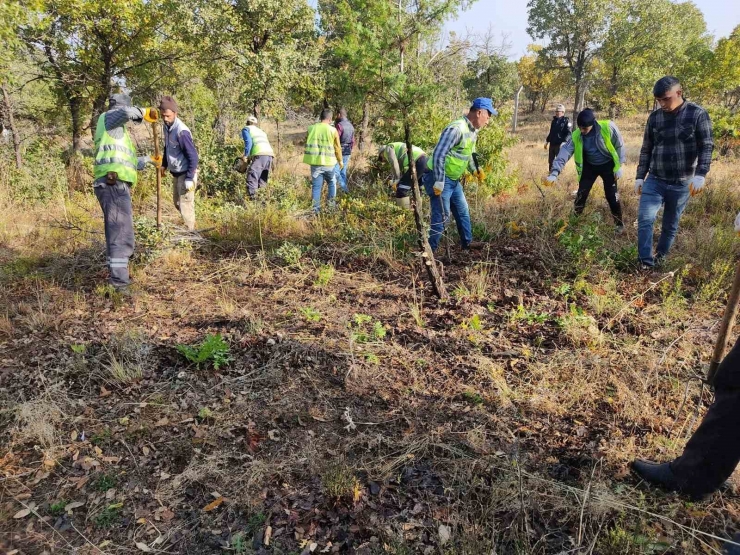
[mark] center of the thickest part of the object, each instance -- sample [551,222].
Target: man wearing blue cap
[456,147]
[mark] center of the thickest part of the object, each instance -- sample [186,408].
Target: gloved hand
[481,175]
[151,115]
[550,180]
[638,186]
[697,184]
[547,145]
[618,174]
[188,184]
[162,171]
[438,187]
[156,160]
[737,223]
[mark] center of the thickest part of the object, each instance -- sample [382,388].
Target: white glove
[550,180]
[188,184]
[696,185]
[737,223]
[638,186]
[618,174]
[438,187]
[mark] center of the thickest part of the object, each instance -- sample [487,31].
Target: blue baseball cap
[483,103]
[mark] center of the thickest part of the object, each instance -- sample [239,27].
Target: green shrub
[213,349]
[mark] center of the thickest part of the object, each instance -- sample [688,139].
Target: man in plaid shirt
[676,153]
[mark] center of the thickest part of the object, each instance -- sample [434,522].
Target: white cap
[560,108]
[252,120]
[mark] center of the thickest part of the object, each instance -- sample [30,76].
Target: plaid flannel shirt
[676,145]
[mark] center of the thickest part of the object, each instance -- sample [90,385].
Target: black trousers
[552,153]
[713,452]
[588,178]
[405,185]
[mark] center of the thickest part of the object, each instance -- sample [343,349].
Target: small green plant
[57,509]
[107,291]
[473,397]
[78,348]
[254,522]
[372,358]
[213,349]
[361,319]
[379,330]
[238,544]
[522,314]
[205,413]
[105,482]
[101,438]
[108,516]
[290,254]
[311,314]
[362,333]
[324,275]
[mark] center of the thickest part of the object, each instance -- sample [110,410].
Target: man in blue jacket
[181,158]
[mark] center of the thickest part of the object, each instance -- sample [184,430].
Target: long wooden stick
[155,131]
[427,253]
[728,320]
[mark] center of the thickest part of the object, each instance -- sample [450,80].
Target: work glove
[156,160]
[550,180]
[438,187]
[151,115]
[697,184]
[618,174]
[188,184]
[481,175]
[547,145]
[737,223]
[638,186]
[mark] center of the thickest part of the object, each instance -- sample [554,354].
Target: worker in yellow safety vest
[323,153]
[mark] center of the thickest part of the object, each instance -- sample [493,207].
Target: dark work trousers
[712,453]
[257,174]
[588,178]
[552,153]
[405,185]
[115,200]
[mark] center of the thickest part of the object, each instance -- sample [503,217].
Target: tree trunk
[75,112]
[13,128]
[580,96]
[106,87]
[219,128]
[427,254]
[613,89]
[365,124]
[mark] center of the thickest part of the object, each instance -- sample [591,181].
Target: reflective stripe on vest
[459,157]
[578,146]
[114,155]
[403,160]
[319,149]
[260,143]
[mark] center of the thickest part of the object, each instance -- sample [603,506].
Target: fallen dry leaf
[213,504]
[22,513]
[144,547]
[71,506]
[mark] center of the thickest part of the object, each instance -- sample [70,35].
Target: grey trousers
[184,200]
[257,174]
[115,200]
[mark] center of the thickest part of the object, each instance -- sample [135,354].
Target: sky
[509,18]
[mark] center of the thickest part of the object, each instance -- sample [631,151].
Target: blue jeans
[342,174]
[451,201]
[319,174]
[673,196]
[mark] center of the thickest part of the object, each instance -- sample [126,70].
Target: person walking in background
[674,161]
[181,158]
[346,132]
[560,128]
[115,171]
[323,153]
[257,149]
[598,150]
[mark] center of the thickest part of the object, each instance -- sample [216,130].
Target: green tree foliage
[490,72]
[574,31]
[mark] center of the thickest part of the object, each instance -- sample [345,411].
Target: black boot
[655,473]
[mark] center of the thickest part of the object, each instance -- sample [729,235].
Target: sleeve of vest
[618,142]
[390,154]
[186,144]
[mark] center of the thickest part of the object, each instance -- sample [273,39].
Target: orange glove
[151,115]
[156,160]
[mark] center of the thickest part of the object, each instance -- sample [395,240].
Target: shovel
[155,132]
[728,320]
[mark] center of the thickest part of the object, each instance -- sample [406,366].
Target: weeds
[324,275]
[362,332]
[57,509]
[339,481]
[311,314]
[105,482]
[213,349]
[290,254]
[109,516]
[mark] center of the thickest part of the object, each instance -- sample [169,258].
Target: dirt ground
[347,410]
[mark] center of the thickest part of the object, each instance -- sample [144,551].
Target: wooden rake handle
[728,320]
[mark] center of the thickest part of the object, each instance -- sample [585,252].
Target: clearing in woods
[285,385]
